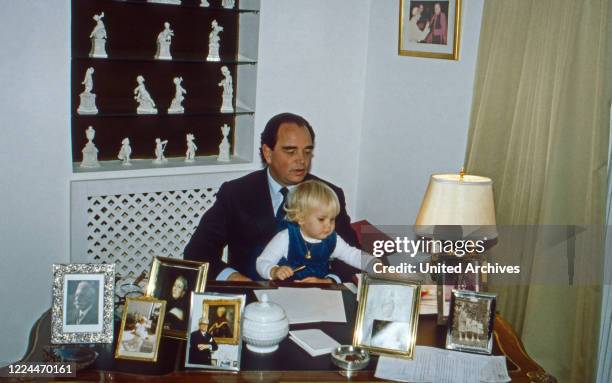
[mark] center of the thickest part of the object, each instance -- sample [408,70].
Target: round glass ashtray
[350,358]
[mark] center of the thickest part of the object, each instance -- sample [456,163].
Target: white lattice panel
[129,229]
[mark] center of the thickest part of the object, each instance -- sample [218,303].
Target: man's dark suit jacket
[90,318]
[195,355]
[242,217]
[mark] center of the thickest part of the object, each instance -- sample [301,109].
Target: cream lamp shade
[464,201]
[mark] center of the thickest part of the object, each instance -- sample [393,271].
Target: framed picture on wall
[430,28]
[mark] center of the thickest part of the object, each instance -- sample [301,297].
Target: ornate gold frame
[414,316]
[158,330]
[208,303]
[200,286]
[454,55]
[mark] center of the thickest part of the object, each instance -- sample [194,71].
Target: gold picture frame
[219,327]
[141,329]
[430,28]
[169,275]
[387,317]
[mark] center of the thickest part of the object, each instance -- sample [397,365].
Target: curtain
[539,128]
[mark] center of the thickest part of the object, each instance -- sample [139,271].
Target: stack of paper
[313,341]
[307,305]
[443,366]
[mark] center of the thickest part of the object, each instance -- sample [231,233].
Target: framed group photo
[83,299]
[470,323]
[141,329]
[173,280]
[214,339]
[430,28]
[387,317]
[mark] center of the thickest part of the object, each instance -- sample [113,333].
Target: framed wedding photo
[430,28]
[214,339]
[83,303]
[141,329]
[470,323]
[387,317]
[173,280]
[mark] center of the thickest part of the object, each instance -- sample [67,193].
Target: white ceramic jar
[264,326]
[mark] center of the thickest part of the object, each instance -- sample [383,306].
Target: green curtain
[539,128]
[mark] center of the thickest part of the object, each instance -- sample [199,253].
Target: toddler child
[309,242]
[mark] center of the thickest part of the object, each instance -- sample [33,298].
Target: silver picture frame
[471,320]
[83,303]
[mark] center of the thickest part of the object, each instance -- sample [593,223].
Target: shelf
[146,168]
[240,60]
[162,113]
[191,4]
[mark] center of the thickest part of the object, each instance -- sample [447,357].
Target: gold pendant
[308,256]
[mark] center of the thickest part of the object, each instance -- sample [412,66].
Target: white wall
[35,161]
[312,62]
[416,116]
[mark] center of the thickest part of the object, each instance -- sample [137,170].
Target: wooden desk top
[289,363]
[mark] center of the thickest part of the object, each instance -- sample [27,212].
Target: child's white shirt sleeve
[349,254]
[277,248]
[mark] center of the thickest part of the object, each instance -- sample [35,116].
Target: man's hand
[281,272]
[237,277]
[315,280]
[203,346]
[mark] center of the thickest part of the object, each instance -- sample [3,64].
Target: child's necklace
[308,255]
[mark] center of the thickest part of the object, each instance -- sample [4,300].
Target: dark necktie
[280,213]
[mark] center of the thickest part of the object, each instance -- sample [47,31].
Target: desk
[289,363]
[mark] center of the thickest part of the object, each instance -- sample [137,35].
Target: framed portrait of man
[173,280]
[83,303]
[214,339]
[387,316]
[430,28]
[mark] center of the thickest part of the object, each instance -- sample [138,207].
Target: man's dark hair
[270,132]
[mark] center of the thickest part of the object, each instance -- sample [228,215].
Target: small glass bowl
[350,358]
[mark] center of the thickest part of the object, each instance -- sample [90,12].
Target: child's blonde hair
[309,195]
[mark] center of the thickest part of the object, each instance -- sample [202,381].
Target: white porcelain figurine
[146,105]
[88,99]
[160,146]
[204,3]
[224,146]
[125,152]
[228,91]
[90,152]
[228,3]
[191,148]
[98,38]
[176,106]
[213,42]
[164,39]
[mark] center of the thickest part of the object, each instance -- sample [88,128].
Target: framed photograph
[447,282]
[470,323]
[387,317]
[141,329]
[173,280]
[430,28]
[83,299]
[214,339]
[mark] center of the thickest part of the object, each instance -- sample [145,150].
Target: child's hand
[282,272]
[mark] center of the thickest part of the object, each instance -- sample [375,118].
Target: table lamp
[457,206]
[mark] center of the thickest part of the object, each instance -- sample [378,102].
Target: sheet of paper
[443,366]
[308,305]
[314,341]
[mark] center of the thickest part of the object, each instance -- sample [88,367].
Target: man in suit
[248,211]
[85,310]
[201,344]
